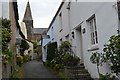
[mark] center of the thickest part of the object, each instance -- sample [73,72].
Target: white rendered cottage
[88,26]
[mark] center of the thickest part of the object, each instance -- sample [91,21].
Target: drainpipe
[69,5]
[118,11]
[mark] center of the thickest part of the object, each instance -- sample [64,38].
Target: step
[78,71]
[86,74]
[75,67]
[81,79]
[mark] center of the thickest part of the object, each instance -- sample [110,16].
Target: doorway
[79,46]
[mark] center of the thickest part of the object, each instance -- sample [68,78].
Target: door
[79,43]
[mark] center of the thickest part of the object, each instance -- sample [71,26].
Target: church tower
[28,21]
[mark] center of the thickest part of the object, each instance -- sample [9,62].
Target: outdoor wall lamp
[83,30]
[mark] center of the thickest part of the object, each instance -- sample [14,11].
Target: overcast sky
[42,11]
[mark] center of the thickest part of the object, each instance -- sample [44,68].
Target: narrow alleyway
[36,69]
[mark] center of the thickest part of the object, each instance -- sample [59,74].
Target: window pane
[96,36]
[93,33]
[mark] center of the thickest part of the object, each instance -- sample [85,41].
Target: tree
[112,53]
[95,59]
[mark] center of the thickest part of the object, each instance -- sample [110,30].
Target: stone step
[81,64]
[86,74]
[81,79]
[79,71]
[75,67]
[83,75]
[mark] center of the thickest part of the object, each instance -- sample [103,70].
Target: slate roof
[39,30]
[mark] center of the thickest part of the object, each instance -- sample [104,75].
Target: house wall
[44,49]
[23,29]
[106,21]
[5,14]
[0,9]
[5,9]
[8,12]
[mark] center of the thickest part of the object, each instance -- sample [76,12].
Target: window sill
[93,48]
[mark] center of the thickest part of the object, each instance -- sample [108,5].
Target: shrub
[62,57]
[70,60]
[65,46]
[107,76]
[19,60]
[59,66]
[26,58]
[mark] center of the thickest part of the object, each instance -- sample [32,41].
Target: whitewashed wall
[23,28]
[0,9]
[5,9]
[44,49]
[106,22]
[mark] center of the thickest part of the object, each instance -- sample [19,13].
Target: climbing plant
[6,37]
[24,46]
[35,46]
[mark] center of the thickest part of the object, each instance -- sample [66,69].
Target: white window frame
[93,31]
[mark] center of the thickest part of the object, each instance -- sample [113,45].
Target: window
[93,31]
[61,40]
[60,18]
[67,37]
[68,6]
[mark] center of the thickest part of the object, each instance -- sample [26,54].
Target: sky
[43,11]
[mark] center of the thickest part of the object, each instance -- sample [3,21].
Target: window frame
[93,30]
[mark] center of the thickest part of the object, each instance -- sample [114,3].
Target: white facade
[5,9]
[0,9]
[75,21]
[24,31]
[44,49]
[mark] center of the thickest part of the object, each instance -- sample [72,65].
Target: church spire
[28,14]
